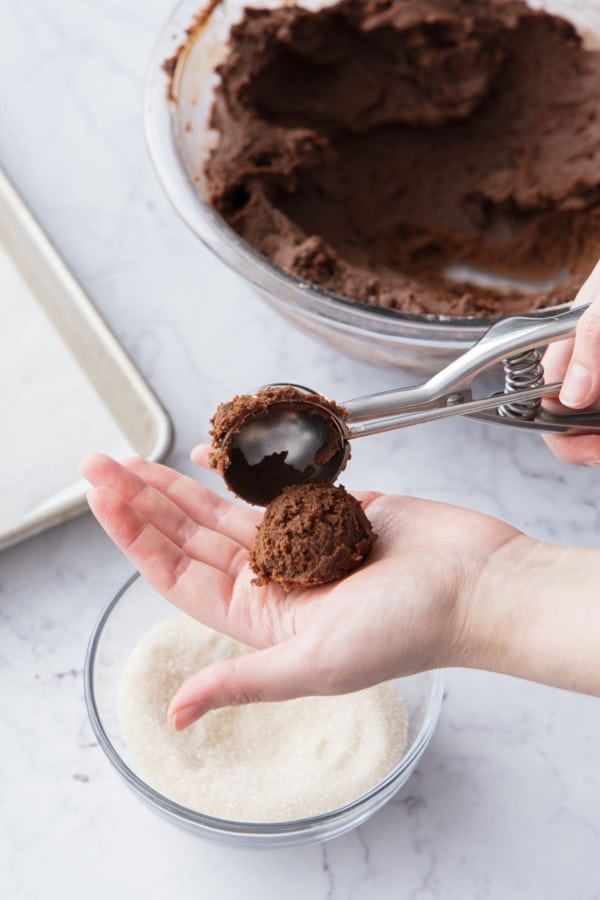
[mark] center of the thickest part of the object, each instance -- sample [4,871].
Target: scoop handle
[449,391]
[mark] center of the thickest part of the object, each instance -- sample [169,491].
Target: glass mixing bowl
[179,140]
[128,616]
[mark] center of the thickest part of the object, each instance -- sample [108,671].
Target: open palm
[403,611]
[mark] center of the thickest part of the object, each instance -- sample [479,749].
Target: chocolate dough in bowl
[392,176]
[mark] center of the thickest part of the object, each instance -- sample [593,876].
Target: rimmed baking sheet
[67,387]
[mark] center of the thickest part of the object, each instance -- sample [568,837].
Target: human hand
[576,362]
[405,610]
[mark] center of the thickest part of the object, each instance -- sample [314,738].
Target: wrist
[533,613]
[492,616]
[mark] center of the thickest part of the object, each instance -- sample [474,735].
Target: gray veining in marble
[505,804]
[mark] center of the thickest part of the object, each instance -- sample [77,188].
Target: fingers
[556,360]
[200,454]
[577,363]
[147,548]
[102,471]
[203,505]
[581,385]
[277,673]
[200,543]
[580,450]
[201,590]
[183,498]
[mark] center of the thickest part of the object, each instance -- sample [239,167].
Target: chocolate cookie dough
[373,146]
[311,534]
[260,481]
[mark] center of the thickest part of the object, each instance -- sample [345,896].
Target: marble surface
[505,802]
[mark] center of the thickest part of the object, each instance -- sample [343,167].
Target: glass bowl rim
[228,826]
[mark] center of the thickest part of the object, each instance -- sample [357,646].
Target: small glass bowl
[179,139]
[128,616]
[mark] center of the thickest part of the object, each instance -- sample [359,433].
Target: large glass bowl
[179,141]
[128,616]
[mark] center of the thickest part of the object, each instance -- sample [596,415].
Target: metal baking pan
[66,384]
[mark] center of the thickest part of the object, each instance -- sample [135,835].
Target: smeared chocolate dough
[369,146]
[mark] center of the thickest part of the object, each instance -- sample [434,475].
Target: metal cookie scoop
[309,441]
[283,434]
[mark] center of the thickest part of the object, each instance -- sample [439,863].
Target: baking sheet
[67,387]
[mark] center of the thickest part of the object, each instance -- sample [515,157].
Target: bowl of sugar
[264,774]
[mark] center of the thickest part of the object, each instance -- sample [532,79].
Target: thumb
[581,385]
[264,675]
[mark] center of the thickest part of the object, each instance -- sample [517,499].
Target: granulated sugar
[266,762]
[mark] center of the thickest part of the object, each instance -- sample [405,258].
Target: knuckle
[178,571]
[237,561]
[588,330]
[236,685]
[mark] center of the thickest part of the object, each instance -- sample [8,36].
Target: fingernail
[577,386]
[185,716]
[177,719]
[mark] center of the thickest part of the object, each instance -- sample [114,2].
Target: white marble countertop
[505,802]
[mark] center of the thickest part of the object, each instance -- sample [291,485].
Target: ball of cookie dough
[310,534]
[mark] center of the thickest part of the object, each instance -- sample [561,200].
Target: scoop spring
[522,372]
